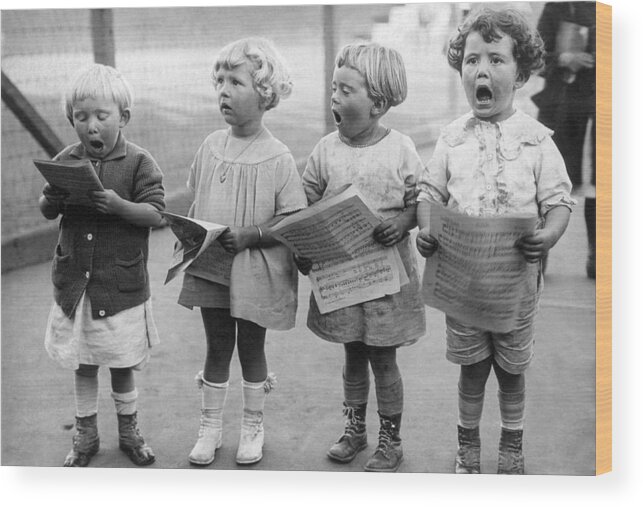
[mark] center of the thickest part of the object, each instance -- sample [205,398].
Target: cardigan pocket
[61,269]
[130,274]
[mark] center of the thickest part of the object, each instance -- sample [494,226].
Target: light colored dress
[385,173]
[120,341]
[261,183]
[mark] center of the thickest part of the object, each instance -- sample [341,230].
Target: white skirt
[120,341]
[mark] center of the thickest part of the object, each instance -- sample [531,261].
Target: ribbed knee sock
[390,396]
[470,408]
[512,409]
[356,390]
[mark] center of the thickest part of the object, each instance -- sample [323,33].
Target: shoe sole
[250,462]
[347,459]
[368,469]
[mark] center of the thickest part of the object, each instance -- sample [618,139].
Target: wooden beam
[30,118]
[102,21]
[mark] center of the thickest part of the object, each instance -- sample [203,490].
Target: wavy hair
[270,75]
[492,25]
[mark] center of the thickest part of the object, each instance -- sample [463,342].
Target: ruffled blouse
[480,168]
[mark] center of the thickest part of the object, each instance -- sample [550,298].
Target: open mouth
[225,108]
[337,116]
[96,145]
[483,94]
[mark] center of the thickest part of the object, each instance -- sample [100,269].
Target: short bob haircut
[98,81]
[269,72]
[492,25]
[382,68]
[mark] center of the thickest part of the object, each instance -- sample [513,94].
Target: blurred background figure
[567,103]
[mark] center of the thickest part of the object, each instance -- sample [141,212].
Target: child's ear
[125,116]
[378,108]
[520,80]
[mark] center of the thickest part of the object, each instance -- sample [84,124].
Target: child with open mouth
[495,161]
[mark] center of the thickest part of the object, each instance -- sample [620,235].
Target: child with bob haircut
[244,178]
[383,165]
[495,161]
[102,314]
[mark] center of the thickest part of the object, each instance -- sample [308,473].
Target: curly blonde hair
[269,72]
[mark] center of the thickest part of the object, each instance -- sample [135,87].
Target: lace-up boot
[388,455]
[213,397]
[467,459]
[131,442]
[251,437]
[510,458]
[353,440]
[85,442]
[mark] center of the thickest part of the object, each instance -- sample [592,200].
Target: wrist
[258,235]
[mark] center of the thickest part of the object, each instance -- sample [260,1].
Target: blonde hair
[270,76]
[382,68]
[98,81]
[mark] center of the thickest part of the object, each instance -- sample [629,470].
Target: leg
[471,388]
[390,401]
[130,440]
[255,385]
[356,387]
[213,381]
[220,340]
[511,395]
[85,442]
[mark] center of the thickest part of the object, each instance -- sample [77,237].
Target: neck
[366,137]
[247,130]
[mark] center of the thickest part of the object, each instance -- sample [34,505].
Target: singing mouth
[225,108]
[337,117]
[484,95]
[96,145]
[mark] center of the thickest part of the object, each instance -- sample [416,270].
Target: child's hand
[237,239]
[535,246]
[304,264]
[389,232]
[426,244]
[107,201]
[55,195]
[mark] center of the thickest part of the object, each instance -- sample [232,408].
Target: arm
[536,245]
[137,213]
[426,244]
[391,231]
[236,239]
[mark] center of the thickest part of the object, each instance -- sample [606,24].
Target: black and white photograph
[301,238]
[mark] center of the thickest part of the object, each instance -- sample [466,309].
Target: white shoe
[210,439]
[251,438]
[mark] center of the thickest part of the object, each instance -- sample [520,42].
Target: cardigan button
[101,313]
[86,274]
[90,237]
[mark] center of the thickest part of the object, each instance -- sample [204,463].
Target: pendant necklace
[225,147]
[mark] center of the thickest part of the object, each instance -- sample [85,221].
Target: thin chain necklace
[225,148]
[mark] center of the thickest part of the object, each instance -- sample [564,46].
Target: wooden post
[30,118]
[102,21]
[328,14]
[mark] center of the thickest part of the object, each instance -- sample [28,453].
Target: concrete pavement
[303,415]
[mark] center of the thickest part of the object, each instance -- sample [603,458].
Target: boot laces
[385,438]
[353,423]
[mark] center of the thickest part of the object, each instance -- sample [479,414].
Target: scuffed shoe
[388,455]
[251,438]
[353,440]
[510,458]
[467,459]
[210,438]
[85,443]
[132,443]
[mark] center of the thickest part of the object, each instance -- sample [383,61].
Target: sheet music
[477,275]
[77,177]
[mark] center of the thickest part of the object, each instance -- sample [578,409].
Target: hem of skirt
[414,338]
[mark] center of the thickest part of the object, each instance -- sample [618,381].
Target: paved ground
[303,415]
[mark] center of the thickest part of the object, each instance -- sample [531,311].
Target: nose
[93,125]
[224,89]
[483,69]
